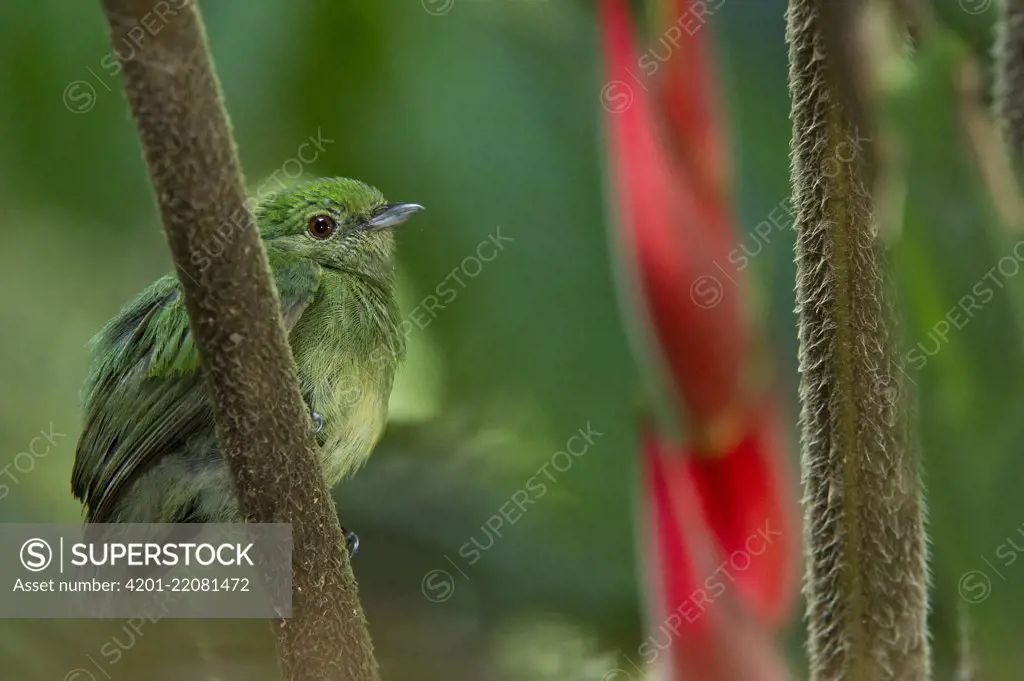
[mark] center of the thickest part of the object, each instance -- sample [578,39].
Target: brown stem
[1009,86]
[866,575]
[232,306]
[987,151]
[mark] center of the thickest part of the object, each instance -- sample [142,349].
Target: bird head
[341,224]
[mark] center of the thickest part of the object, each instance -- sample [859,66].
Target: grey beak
[394,214]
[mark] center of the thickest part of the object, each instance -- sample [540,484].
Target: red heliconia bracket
[720,517]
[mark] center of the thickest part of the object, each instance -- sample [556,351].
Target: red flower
[723,540]
[699,625]
[677,245]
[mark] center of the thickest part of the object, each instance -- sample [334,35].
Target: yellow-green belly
[353,422]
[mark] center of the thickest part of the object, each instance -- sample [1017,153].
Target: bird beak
[393,214]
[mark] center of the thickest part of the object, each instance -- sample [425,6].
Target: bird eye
[321,226]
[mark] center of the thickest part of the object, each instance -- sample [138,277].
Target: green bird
[149,453]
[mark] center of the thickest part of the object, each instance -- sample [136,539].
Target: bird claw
[318,420]
[351,541]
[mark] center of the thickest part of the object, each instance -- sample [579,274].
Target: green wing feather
[144,395]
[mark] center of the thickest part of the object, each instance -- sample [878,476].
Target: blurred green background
[487,112]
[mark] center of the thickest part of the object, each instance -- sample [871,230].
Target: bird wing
[145,396]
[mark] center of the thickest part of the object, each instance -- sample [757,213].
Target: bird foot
[351,541]
[318,420]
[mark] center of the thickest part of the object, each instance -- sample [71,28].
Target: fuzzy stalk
[232,305]
[1009,81]
[866,580]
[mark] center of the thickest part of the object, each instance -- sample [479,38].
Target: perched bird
[149,453]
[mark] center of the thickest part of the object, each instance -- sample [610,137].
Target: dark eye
[321,226]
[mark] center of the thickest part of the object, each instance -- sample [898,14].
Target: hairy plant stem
[232,304]
[866,581]
[1009,83]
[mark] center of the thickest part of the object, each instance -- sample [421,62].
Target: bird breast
[355,413]
[346,373]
